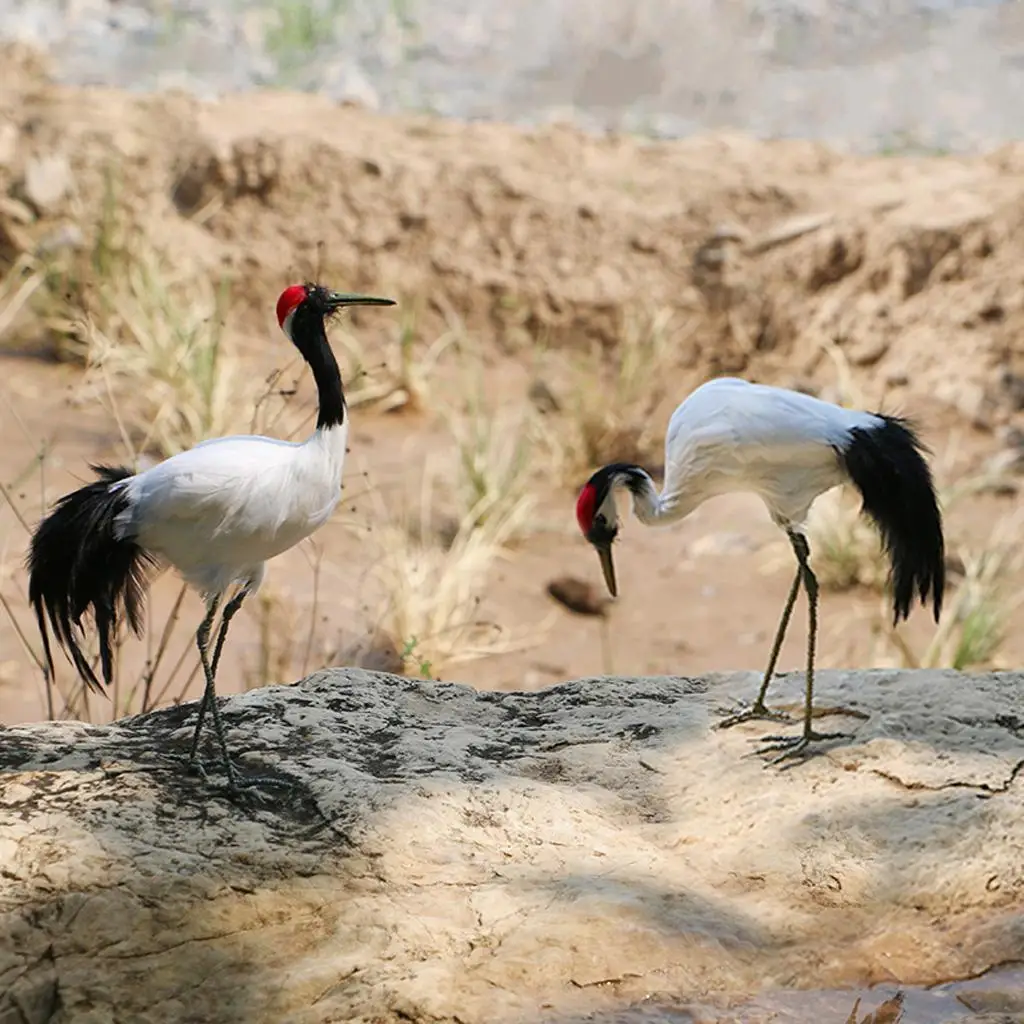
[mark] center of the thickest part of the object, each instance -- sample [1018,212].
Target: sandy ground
[903,272]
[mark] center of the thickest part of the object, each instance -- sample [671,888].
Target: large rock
[454,855]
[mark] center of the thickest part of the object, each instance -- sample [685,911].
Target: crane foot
[797,747]
[236,782]
[756,712]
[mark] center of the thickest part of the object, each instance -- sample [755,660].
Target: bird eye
[601,532]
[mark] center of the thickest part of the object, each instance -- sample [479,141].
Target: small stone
[578,596]
[47,181]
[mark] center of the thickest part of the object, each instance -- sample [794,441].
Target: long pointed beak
[338,299]
[608,568]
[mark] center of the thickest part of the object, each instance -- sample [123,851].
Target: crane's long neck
[650,507]
[310,337]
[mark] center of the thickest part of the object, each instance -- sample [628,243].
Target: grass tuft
[167,335]
[493,462]
[431,592]
[612,398]
[975,622]
[400,381]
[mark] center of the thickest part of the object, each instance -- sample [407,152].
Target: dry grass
[77,278]
[290,643]
[976,618]
[493,456]
[612,398]
[845,547]
[431,592]
[149,332]
[159,352]
[400,380]
[17,289]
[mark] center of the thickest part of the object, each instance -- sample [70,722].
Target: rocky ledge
[595,849]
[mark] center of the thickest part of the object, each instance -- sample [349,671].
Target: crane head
[598,519]
[319,300]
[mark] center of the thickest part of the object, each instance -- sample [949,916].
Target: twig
[315,609]
[165,638]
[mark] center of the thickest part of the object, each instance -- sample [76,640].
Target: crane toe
[756,712]
[797,748]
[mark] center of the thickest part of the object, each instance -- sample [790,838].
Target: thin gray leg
[209,700]
[210,694]
[796,746]
[229,612]
[759,709]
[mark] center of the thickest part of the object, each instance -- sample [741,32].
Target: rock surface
[596,848]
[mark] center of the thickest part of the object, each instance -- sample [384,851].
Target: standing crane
[788,448]
[216,513]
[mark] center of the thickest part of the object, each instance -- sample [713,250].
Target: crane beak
[604,552]
[336,300]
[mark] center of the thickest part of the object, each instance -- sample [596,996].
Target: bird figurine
[788,448]
[216,513]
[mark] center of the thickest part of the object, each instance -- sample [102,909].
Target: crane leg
[230,609]
[759,709]
[210,694]
[209,701]
[797,746]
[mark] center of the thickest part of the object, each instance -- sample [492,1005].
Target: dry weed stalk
[493,456]
[431,592]
[401,380]
[288,634]
[975,621]
[17,288]
[162,342]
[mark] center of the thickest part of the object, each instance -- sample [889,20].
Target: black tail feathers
[77,564]
[887,465]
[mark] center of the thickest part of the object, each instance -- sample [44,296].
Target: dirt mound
[904,265]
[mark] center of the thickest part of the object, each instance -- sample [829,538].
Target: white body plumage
[731,435]
[249,497]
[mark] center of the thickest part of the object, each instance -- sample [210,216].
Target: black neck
[624,474]
[310,337]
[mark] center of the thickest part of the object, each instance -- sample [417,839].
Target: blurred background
[942,75]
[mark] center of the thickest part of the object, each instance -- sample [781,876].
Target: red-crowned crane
[787,447]
[215,513]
